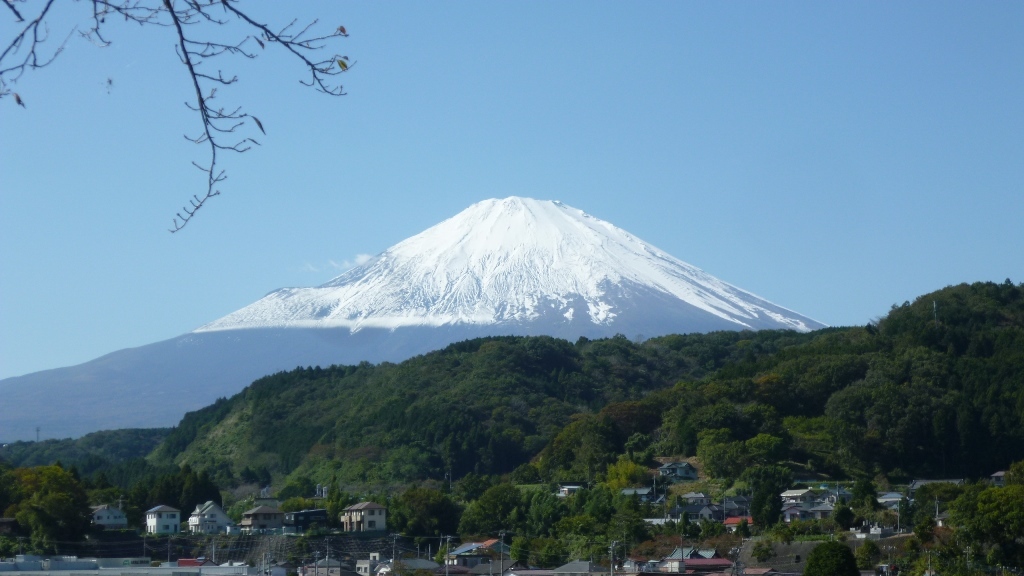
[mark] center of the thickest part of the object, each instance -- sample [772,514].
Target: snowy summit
[519,261]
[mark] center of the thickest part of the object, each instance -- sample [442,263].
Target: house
[888,499]
[697,498]
[798,496]
[698,512]
[834,495]
[915,484]
[579,568]
[299,522]
[822,510]
[208,518]
[799,511]
[261,519]
[638,565]
[736,506]
[109,517]
[998,479]
[677,471]
[733,523]
[364,517]
[163,520]
[471,554]
[707,565]
[8,526]
[566,490]
[328,567]
[369,566]
[642,494]
[679,559]
[410,565]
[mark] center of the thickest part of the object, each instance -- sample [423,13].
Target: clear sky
[833,157]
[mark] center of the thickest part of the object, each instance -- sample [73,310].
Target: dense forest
[470,438]
[934,388]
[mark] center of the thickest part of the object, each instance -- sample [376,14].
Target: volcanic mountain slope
[516,262]
[509,266]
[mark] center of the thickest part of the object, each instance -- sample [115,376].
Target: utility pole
[327,555]
[501,553]
[168,548]
[611,561]
[447,550]
[394,559]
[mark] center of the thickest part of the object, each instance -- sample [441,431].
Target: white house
[208,518]
[697,498]
[364,517]
[798,496]
[163,520]
[677,471]
[109,517]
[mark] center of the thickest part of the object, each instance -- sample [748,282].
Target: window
[371,524]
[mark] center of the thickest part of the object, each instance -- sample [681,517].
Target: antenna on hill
[37,433]
[935,312]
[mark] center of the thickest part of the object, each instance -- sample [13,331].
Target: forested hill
[934,388]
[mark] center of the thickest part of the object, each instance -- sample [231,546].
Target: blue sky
[835,158]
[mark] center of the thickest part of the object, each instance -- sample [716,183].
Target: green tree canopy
[831,559]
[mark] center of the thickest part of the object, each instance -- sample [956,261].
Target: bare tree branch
[10,4]
[192,22]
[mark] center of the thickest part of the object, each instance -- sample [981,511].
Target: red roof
[735,521]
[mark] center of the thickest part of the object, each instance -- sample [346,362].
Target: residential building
[998,479]
[677,471]
[642,494]
[368,566]
[733,523]
[261,519]
[736,506]
[798,511]
[410,565]
[471,554]
[8,526]
[163,520]
[822,510]
[566,490]
[364,517]
[798,496]
[681,559]
[697,498]
[579,568]
[300,521]
[208,518]
[915,484]
[109,517]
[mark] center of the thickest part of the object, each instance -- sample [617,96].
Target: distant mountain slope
[501,267]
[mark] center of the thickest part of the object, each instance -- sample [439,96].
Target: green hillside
[89,453]
[935,388]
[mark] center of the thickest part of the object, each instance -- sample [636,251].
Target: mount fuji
[504,266]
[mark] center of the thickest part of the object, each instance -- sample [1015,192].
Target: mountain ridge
[512,266]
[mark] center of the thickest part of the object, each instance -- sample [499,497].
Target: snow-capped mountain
[510,266]
[512,261]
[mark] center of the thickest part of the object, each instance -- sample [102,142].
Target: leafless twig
[200,27]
